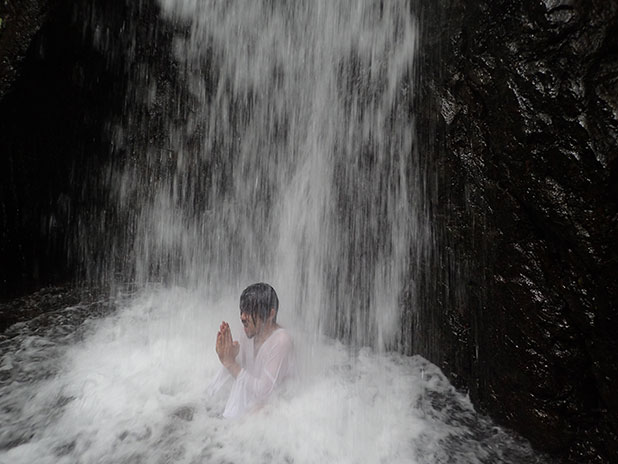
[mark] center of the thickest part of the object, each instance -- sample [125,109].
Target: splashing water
[130,388]
[287,155]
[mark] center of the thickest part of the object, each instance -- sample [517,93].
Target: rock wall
[522,311]
[56,95]
[19,23]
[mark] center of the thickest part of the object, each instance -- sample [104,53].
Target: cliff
[524,148]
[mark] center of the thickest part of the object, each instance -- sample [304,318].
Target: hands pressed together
[227,349]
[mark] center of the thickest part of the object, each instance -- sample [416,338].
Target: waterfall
[275,142]
[286,155]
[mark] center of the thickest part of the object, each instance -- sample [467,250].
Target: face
[251,328]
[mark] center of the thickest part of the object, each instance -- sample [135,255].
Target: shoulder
[282,339]
[284,336]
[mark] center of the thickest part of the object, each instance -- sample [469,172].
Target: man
[262,361]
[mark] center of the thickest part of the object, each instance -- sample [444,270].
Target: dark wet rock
[19,22]
[45,303]
[526,155]
[56,125]
[56,92]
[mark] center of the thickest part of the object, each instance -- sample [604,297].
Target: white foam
[134,390]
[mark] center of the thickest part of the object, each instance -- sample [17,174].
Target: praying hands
[227,349]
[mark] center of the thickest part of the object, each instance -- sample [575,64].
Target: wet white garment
[261,373]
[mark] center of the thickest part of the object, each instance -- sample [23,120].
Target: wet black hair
[257,300]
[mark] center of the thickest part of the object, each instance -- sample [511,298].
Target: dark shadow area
[53,141]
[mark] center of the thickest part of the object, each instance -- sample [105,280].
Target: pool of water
[128,385]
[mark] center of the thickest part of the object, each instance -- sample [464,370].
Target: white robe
[260,375]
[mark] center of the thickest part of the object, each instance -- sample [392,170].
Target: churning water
[284,152]
[131,388]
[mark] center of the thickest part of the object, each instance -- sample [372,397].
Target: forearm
[233,368]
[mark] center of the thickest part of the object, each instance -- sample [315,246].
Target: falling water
[283,151]
[288,157]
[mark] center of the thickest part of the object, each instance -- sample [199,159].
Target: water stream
[287,154]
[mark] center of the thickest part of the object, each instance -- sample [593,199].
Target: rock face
[65,67]
[526,158]
[55,97]
[18,25]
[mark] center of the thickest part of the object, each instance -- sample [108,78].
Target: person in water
[261,361]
